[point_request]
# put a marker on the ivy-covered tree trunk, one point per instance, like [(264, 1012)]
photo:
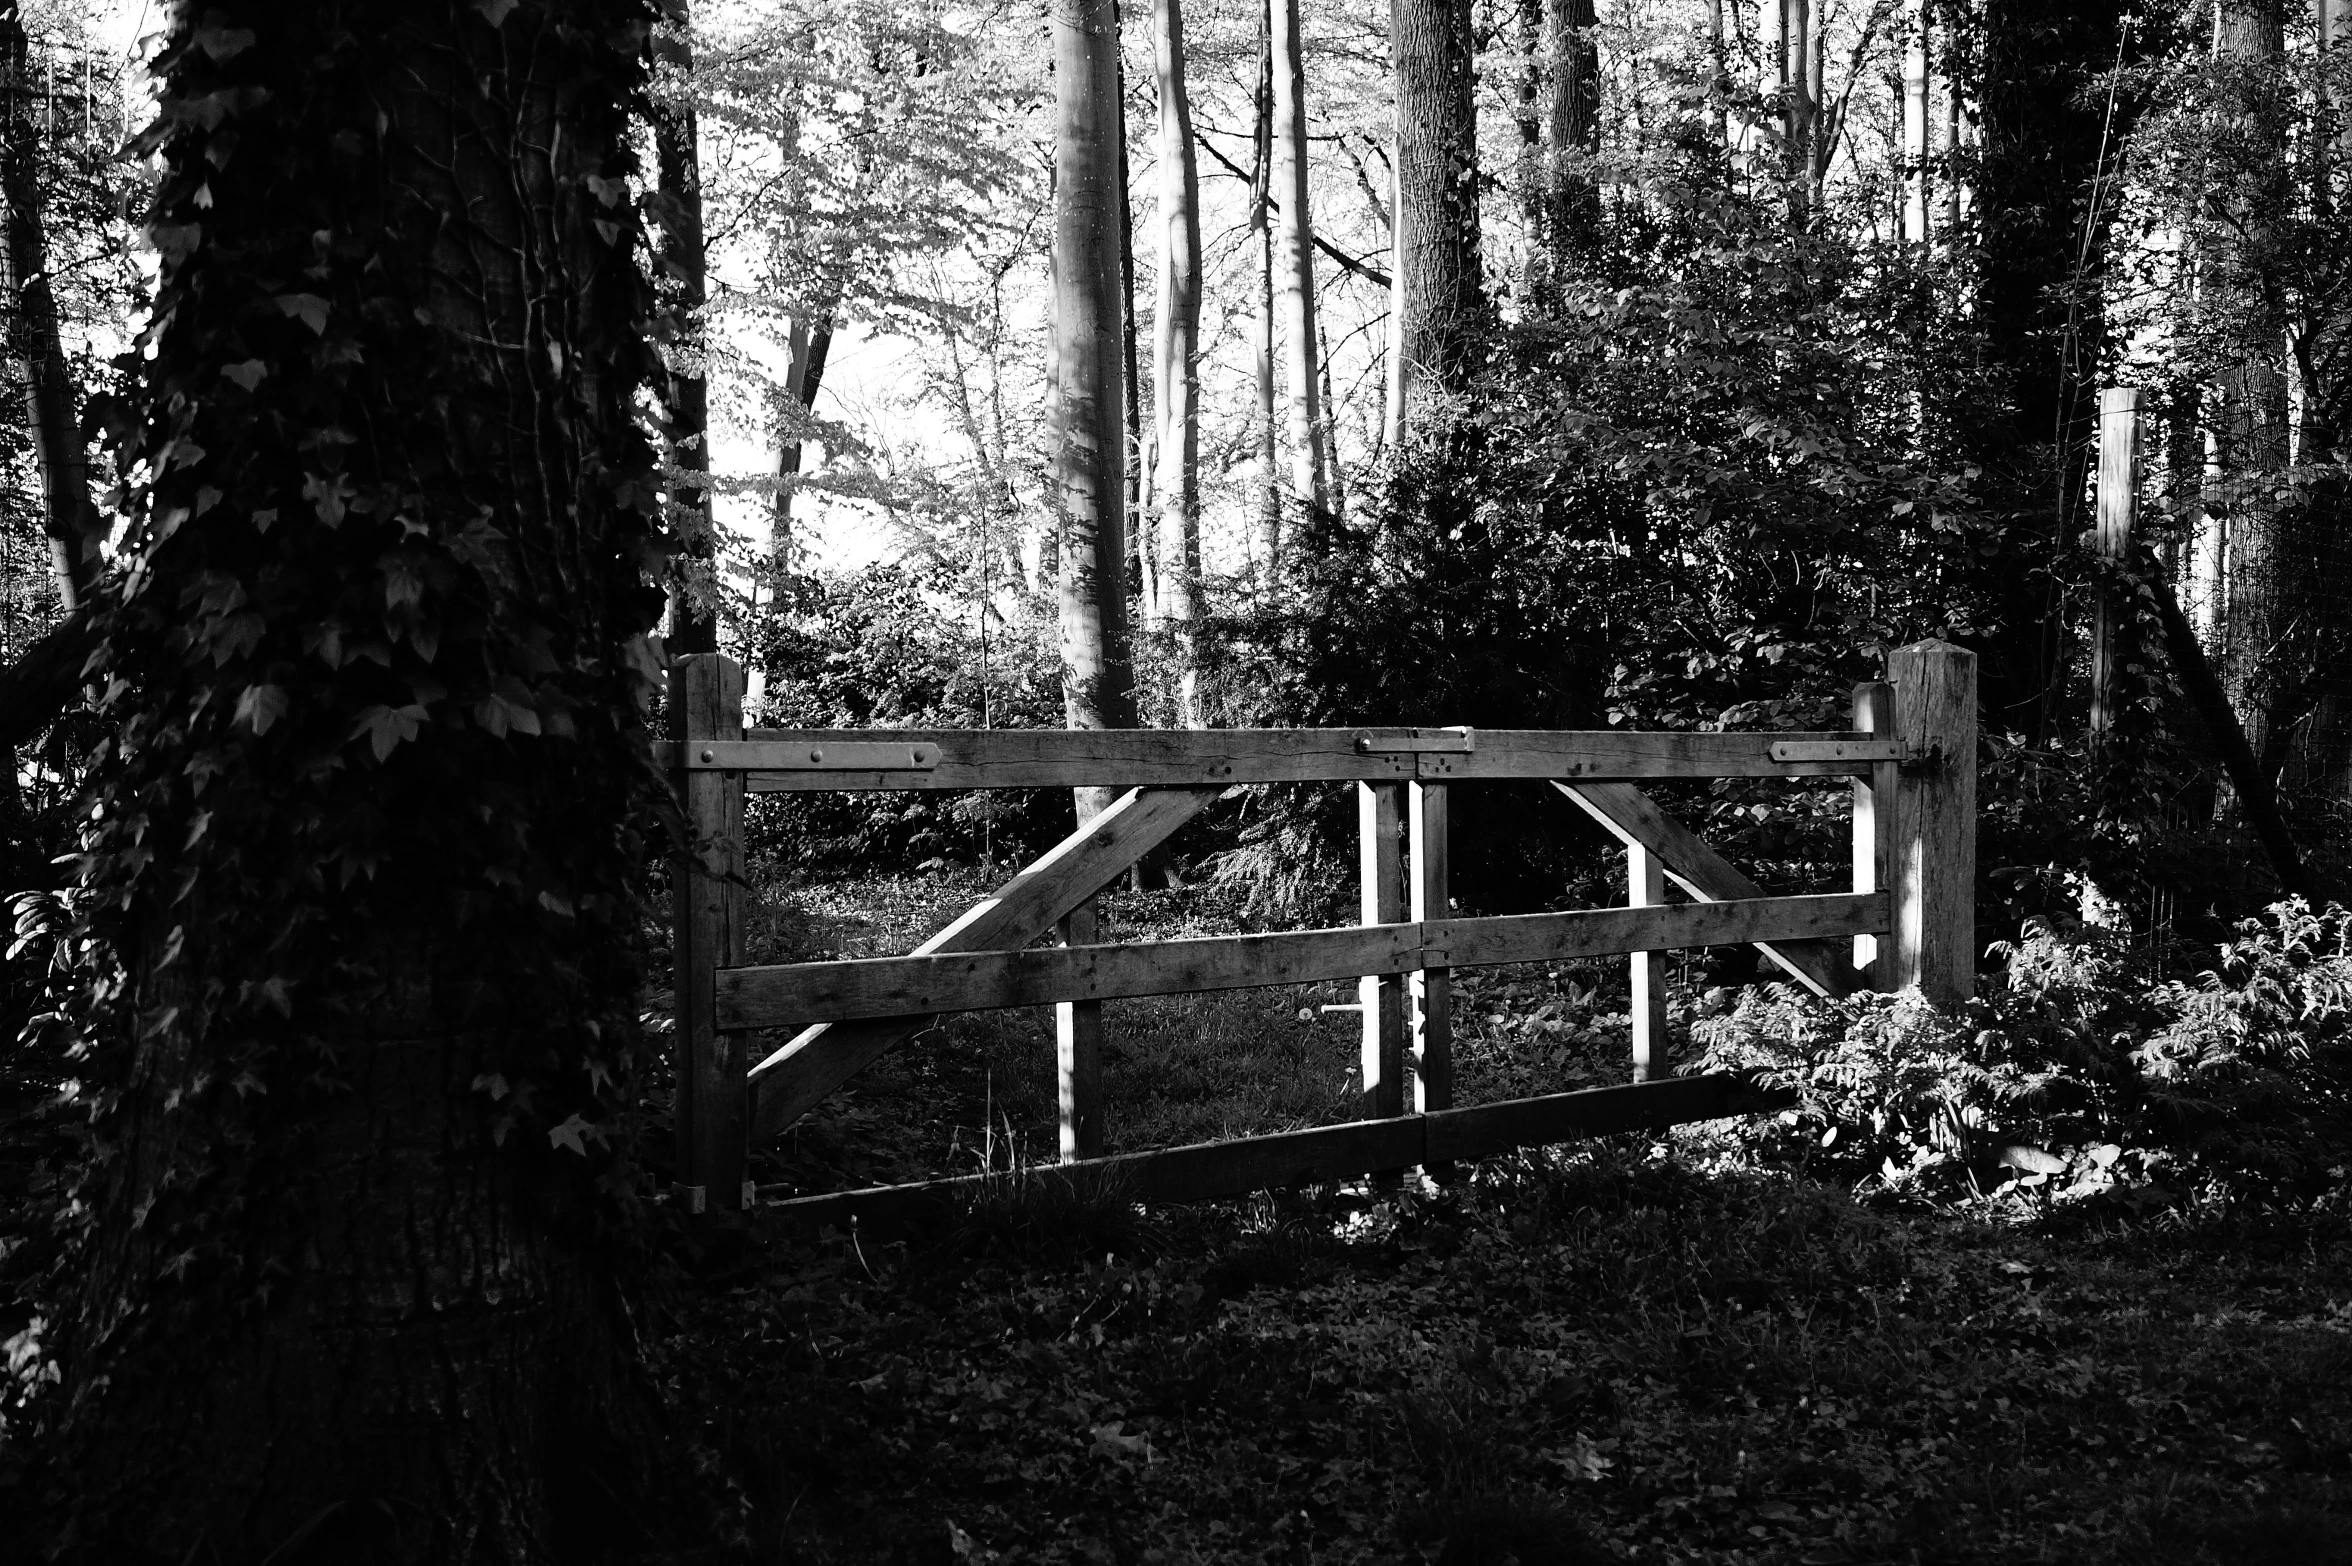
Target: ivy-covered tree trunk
[(360, 934)]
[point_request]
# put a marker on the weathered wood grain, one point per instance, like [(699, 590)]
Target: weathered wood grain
[(981, 981), (712, 1112), (821, 1057), (1634, 819), (1933, 882), (777, 759)]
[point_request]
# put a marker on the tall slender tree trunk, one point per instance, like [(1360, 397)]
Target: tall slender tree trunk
[(1793, 64), (1176, 355), (1437, 303), (366, 867), (1294, 262), (1130, 363), (51, 415), (2249, 36), (1916, 104), (694, 591), (1572, 217), (1089, 373), (1529, 175), (1263, 429), (808, 344)]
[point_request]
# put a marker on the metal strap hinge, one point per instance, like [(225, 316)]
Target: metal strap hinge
[(1867, 749), (809, 756), (1455, 741)]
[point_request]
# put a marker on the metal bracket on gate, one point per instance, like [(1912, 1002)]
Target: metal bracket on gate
[(1454, 741), (811, 756), (1840, 750)]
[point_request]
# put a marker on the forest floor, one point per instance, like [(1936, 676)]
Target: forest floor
[(1635, 1349)]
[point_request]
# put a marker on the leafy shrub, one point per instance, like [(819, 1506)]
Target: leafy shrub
[(898, 646), (2071, 1077)]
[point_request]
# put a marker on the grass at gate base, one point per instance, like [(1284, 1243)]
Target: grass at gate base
[(1609, 1353), (1636, 1349)]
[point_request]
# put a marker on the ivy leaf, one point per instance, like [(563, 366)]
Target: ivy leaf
[(223, 43), (495, 11), (247, 373), (261, 706), (310, 307), (387, 726), (607, 191), (575, 1132)]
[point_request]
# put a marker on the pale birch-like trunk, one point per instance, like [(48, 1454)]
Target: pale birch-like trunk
[(1176, 357), (1269, 483), (1916, 102), (1294, 262), (1089, 417)]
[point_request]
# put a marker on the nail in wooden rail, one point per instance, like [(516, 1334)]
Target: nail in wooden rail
[(713, 1119)]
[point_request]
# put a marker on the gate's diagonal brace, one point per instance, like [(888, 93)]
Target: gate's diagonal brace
[(1632, 817), (819, 1059)]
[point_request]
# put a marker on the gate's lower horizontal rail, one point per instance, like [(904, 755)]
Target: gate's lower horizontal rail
[(798, 994), (1327, 1153)]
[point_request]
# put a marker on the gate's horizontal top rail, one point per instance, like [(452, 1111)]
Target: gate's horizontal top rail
[(797, 994), (1183, 1174), (817, 760)]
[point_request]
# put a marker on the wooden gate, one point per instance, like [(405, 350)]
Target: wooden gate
[(1908, 920)]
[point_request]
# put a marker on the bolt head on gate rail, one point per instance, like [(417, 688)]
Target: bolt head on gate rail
[(832, 756)]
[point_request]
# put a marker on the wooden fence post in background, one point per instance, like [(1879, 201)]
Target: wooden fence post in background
[(1078, 1033), (1932, 874), (706, 886), (1645, 887), (1432, 988), (1378, 823), (2119, 504), (1874, 820)]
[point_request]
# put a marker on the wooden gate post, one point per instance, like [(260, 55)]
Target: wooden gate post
[(1645, 887), (706, 888), (1432, 988), (1381, 860), (2119, 504), (1932, 874), (1078, 1035)]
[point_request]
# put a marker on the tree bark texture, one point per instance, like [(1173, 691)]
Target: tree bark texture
[(1294, 263), (51, 407), (1437, 309), (1176, 354), (1916, 103), (2249, 42), (1572, 211), (1263, 427), (694, 590), (2041, 240), (1089, 420), (365, 874)]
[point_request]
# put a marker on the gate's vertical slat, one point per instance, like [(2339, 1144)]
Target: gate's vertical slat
[(1645, 887), (712, 1110), (1934, 880), (1874, 821), (1078, 1032), (1432, 988), (1381, 859)]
